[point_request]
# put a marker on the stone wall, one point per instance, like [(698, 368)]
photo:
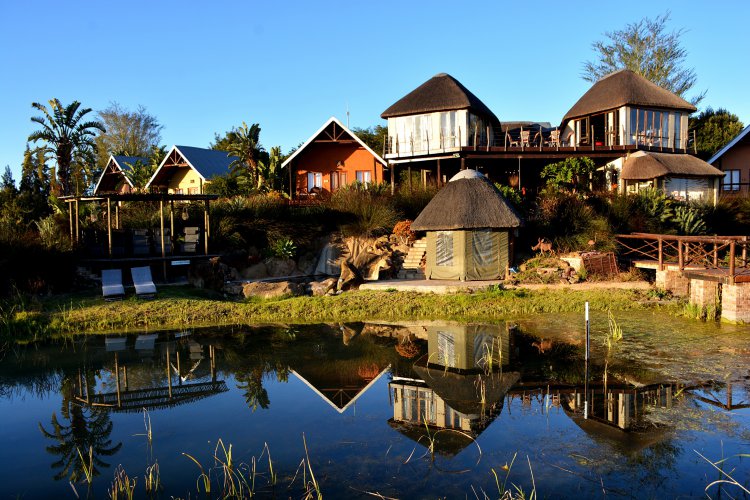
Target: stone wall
[(704, 293), (673, 281), (735, 303)]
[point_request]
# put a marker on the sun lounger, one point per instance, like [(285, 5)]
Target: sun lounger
[(112, 288), (144, 284)]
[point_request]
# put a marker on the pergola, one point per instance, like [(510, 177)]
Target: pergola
[(162, 198)]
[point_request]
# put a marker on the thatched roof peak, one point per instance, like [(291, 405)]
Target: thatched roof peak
[(468, 201), (622, 88), (442, 92)]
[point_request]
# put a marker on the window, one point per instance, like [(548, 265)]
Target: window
[(444, 248), (314, 180), (731, 181), (448, 129), (364, 177)]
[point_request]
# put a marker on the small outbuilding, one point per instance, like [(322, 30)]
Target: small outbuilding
[(470, 229), (113, 178)]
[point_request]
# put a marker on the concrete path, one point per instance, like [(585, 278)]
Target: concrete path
[(450, 286)]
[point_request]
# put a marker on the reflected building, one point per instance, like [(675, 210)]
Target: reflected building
[(459, 385), (151, 374)]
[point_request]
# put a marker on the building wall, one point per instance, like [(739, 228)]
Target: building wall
[(737, 158), (330, 158), (187, 180)]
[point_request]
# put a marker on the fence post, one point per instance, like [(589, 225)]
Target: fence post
[(731, 261), (744, 251), (661, 254), (680, 257)]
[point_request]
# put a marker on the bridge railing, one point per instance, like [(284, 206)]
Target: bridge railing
[(722, 253)]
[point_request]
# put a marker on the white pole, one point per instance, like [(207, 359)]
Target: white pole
[(586, 383)]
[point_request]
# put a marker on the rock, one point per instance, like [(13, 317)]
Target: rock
[(255, 271), (350, 277), (320, 288), (280, 267), (233, 289), (306, 263), (267, 290), (212, 274)]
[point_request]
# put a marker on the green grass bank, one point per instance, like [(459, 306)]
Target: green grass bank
[(177, 308)]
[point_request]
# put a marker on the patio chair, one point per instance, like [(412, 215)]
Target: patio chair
[(554, 138), (144, 284), (112, 288), (525, 138)]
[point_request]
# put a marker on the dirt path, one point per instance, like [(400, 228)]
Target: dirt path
[(595, 285)]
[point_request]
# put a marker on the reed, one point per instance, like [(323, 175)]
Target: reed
[(152, 479), (123, 487), (87, 466)]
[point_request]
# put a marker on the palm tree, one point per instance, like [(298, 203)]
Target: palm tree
[(67, 136), (246, 147)]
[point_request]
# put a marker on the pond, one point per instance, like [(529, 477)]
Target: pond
[(360, 410)]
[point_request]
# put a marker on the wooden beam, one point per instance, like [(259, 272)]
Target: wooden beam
[(109, 228)]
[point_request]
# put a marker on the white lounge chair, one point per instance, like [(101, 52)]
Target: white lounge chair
[(144, 284), (112, 288)]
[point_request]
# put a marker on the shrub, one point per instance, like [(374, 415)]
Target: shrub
[(283, 248), (403, 231), (370, 213)]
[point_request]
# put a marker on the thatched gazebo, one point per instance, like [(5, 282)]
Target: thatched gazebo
[(469, 228)]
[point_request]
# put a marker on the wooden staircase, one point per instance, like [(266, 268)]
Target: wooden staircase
[(411, 268)]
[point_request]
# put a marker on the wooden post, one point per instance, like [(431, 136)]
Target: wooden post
[(744, 251), (731, 261), (439, 176), (476, 129), (408, 170), (171, 227), (686, 258), (393, 178), (125, 376), (205, 228), (679, 254), (78, 233), (661, 254), (463, 163), (179, 371), (161, 226), (291, 185), (541, 137), (109, 227), (716, 255), (70, 221), (212, 355), (117, 215), (488, 137), (592, 138), (637, 115)]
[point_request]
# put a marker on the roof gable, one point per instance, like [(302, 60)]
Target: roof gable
[(730, 145), (208, 163), (120, 163), (622, 88), (442, 92), (345, 130)]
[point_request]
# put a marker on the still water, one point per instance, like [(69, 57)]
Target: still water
[(408, 411)]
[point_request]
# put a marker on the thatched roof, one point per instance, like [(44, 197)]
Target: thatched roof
[(468, 201), (643, 165), (442, 92), (623, 88)]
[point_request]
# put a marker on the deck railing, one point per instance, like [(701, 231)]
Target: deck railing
[(722, 253)]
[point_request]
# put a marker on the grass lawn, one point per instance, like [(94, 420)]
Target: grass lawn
[(183, 307)]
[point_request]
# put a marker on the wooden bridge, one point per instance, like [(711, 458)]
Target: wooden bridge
[(722, 259)]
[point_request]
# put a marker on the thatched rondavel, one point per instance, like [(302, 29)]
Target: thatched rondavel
[(469, 227)]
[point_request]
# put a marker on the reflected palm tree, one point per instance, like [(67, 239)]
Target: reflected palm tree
[(80, 430), (251, 383)]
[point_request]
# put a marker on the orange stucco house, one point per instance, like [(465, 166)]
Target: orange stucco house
[(734, 160), (331, 158)]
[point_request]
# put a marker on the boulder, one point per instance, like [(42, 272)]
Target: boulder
[(350, 277), (320, 288), (255, 271), (211, 274), (307, 262), (267, 290), (278, 267)]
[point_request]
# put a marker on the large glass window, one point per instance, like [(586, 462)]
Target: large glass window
[(731, 181), (444, 248), (448, 129)]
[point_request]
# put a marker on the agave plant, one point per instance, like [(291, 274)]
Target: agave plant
[(688, 221)]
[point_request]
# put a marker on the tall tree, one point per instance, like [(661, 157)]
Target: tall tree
[(713, 130), (131, 133), (374, 137), (647, 48), (69, 138), (34, 186)]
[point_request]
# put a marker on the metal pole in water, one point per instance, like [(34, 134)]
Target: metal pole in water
[(586, 383)]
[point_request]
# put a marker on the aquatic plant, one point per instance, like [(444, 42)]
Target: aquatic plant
[(122, 487)]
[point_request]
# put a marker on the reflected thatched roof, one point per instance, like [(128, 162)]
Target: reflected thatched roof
[(623, 88), (468, 201), (448, 442), (462, 391), (644, 165), (442, 92)]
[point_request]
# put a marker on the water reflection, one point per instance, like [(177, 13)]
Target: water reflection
[(442, 387)]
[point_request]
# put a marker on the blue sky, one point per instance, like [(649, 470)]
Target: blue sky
[(204, 67)]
